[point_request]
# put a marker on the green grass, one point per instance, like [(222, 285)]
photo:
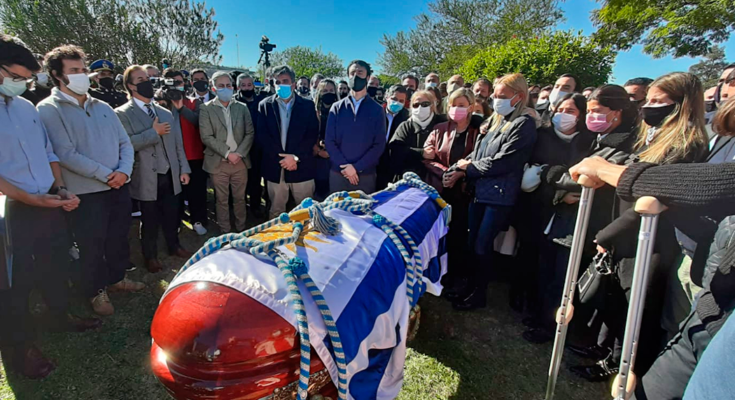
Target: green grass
[(461, 356)]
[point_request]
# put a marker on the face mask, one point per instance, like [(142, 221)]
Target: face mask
[(457, 114), (597, 122), (542, 104), (379, 98), (42, 78), (357, 84), (107, 83), (654, 116), (564, 122), (452, 87), (479, 114), (503, 106), (304, 90), (328, 99), (431, 84), (395, 106), (556, 95), (145, 89), (283, 91), (10, 88), (710, 106), (421, 113), (344, 94), (78, 83), (372, 91), (248, 93), (224, 94), (201, 86)]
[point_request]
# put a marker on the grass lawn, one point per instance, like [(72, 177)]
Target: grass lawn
[(462, 356)]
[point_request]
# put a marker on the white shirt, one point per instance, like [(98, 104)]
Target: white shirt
[(75, 101), (356, 102), (143, 107), (206, 97), (231, 143)]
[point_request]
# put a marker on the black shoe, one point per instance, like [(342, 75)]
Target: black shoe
[(459, 290), (477, 298), (538, 335), (530, 322), (593, 352), (131, 267), (602, 371)]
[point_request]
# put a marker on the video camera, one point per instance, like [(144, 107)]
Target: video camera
[(171, 91), (265, 44), (156, 82)]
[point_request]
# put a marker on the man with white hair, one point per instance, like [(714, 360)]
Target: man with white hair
[(227, 133)]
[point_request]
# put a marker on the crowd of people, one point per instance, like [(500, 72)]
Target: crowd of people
[(505, 153)]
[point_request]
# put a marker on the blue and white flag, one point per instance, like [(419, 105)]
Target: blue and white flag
[(362, 276)]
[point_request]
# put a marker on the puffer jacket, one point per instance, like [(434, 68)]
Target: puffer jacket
[(724, 238), (498, 159)]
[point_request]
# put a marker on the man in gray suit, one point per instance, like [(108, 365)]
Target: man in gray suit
[(227, 133), (160, 165)]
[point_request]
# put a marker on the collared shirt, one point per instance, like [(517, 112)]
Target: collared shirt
[(73, 100), (204, 98), (162, 163), (231, 143), (285, 113), (356, 102), (390, 123), (26, 151), (143, 107)]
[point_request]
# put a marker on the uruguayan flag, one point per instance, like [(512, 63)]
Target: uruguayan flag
[(363, 278)]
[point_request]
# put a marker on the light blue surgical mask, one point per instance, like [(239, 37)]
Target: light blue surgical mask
[(283, 91), (11, 88), (395, 106), (431, 84), (503, 106), (224, 94)]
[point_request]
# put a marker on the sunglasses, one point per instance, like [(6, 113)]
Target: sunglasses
[(422, 104)]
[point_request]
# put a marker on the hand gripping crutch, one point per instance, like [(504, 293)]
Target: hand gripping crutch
[(566, 310), (649, 208)]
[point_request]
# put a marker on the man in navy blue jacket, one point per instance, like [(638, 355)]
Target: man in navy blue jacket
[(287, 131), (355, 136)]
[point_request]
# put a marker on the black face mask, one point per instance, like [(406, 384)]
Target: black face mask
[(371, 91), (145, 89), (304, 90), (328, 99), (248, 93), (710, 106), (638, 102), (344, 94), (356, 83), (379, 98), (654, 116), (201, 86), (107, 83)]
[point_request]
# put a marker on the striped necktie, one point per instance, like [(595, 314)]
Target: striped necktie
[(149, 108)]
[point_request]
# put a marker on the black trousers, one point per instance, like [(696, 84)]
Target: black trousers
[(40, 261), (195, 193), (254, 189), (457, 237), (101, 225), (163, 213)]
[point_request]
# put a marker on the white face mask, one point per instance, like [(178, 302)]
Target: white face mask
[(421, 113), (42, 78), (78, 83), (452, 87), (10, 88), (564, 122), (503, 106), (556, 95), (431, 84)]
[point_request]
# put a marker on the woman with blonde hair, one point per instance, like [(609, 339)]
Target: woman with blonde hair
[(407, 145), (495, 169)]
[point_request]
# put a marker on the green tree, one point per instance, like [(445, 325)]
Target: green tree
[(665, 27), (307, 62), (388, 80), (544, 58), (709, 69), (112, 29), (454, 30)]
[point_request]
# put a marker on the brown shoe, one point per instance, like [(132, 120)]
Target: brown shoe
[(30, 362), (126, 285), (77, 324), (153, 265), (181, 253), (102, 305)]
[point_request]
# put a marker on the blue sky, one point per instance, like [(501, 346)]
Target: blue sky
[(353, 30)]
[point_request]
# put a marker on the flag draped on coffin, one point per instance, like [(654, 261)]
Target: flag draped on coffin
[(362, 276)]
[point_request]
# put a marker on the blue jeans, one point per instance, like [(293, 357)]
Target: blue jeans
[(712, 378), (486, 221)]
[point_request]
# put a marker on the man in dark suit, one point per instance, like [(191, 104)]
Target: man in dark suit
[(287, 131), (246, 94), (395, 114), (160, 165)]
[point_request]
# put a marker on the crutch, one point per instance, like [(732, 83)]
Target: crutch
[(566, 310), (649, 208)]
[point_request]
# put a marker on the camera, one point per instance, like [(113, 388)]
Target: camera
[(265, 45), (156, 82), (171, 91)]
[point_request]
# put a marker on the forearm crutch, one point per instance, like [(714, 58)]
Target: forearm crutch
[(649, 208), (566, 310)]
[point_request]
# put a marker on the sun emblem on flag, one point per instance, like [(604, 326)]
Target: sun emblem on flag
[(308, 234)]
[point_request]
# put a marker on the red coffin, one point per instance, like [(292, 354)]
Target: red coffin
[(214, 342)]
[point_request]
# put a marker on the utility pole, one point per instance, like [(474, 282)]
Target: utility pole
[(237, 44)]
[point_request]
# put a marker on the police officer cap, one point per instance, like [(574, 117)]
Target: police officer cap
[(101, 65), (185, 73)]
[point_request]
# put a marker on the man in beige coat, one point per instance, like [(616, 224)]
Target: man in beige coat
[(227, 133)]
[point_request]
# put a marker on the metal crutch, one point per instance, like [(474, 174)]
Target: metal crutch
[(649, 208), (566, 310)]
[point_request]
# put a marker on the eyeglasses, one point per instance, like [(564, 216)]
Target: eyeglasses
[(422, 104), (15, 78)]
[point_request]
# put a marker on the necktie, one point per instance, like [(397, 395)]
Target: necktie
[(201, 99), (149, 108)]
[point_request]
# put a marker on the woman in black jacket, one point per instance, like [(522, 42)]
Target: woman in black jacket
[(407, 145), (326, 95)]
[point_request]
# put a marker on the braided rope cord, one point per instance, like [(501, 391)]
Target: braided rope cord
[(295, 268)]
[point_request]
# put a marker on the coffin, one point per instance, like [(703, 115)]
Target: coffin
[(226, 329)]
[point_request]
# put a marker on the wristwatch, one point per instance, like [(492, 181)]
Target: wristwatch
[(56, 189), (296, 158)]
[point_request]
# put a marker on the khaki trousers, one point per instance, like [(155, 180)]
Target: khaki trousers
[(228, 177), (279, 193)]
